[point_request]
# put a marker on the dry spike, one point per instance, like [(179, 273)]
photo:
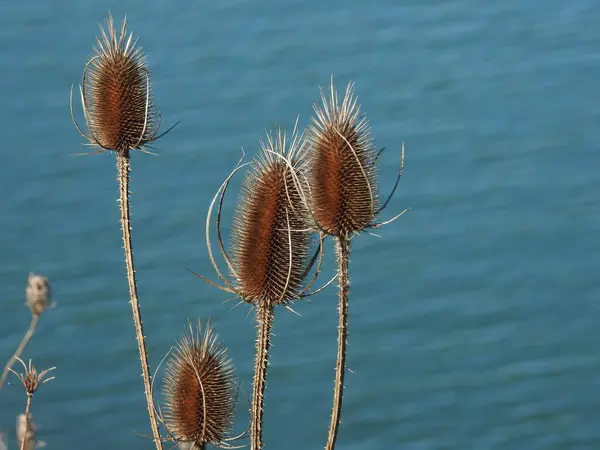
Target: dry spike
[(343, 199), (200, 390), (271, 247), (120, 115), (116, 95)]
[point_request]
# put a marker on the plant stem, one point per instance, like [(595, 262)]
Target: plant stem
[(342, 248), (123, 169), (27, 408), (20, 348), (264, 319)]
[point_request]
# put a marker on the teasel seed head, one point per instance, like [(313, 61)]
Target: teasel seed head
[(200, 389), (37, 293), (117, 100), (271, 230), (344, 191)]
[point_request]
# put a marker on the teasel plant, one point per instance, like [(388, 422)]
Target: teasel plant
[(343, 200), (121, 116), (31, 380), (200, 390), (37, 294), (271, 247), (26, 431)]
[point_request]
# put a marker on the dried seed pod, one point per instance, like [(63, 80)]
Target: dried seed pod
[(270, 248), (37, 293), (271, 231), (117, 99), (200, 389), (31, 379), (344, 191), (26, 430), (344, 199)]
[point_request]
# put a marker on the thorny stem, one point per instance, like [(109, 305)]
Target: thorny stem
[(342, 248), (17, 354), (264, 319), (123, 169), (27, 408)]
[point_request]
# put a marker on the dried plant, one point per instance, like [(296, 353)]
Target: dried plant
[(116, 96), (37, 295), (271, 248), (200, 389), (26, 431), (343, 198), (271, 235), (31, 381), (120, 115)]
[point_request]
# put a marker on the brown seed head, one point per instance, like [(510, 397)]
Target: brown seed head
[(37, 293), (343, 177), (118, 106), (271, 237), (199, 388)]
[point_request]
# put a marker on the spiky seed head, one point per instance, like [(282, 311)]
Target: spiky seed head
[(344, 191), (37, 293), (117, 99), (271, 231), (199, 389)]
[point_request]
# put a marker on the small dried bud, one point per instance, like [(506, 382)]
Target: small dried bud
[(31, 379), (31, 431), (38, 293)]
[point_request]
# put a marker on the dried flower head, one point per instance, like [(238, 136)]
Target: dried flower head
[(26, 430), (37, 293), (31, 379), (271, 232), (116, 95), (199, 389), (344, 192)]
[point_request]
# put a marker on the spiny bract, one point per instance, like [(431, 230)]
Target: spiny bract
[(344, 193), (271, 231), (117, 99), (199, 388)]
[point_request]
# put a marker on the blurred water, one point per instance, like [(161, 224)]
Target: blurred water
[(474, 319)]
